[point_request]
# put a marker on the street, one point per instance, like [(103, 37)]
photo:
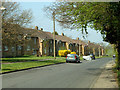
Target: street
[(67, 75)]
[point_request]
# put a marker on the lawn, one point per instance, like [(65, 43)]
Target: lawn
[(27, 58), (102, 56), (23, 65), (17, 63)]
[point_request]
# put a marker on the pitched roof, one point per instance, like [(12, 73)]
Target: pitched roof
[(94, 45), (48, 35), (36, 33), (60, 37), (65, 39)]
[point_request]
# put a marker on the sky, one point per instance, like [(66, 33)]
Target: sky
[(41, 20)]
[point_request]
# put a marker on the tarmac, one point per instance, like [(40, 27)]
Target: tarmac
[(107, 78)]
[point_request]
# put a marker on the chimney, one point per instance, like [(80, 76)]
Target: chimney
[(77, 38), (36, 27), (41, 29), (88, 42), (62, 34)]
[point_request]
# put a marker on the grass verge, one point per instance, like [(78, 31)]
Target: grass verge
[(28, 58), (24, 65)]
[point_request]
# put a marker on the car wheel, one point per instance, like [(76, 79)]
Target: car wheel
[(67, 61), (77, 61)]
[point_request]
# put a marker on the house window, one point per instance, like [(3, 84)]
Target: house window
[(70, 44), (19, 47), (50, 49), (0, 48), (28, 48), (13, 49), (28, 38), (51, 41), (77, 50), (19, 37), (45, 50), (60, 42), (63, 44), (34, 51), (5, 48), (35, 40)]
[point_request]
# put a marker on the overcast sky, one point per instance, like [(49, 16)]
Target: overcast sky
[(41, 20)]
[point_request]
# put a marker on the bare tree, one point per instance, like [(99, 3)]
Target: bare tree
[(14, 15), (13, 21)]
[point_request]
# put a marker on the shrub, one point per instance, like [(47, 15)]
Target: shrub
[(63, 53), (118, 75)]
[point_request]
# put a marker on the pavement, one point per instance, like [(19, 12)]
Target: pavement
[(107, 77)]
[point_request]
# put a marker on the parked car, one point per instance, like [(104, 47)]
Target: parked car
[(92, 56), (87, 58), (72, 58)]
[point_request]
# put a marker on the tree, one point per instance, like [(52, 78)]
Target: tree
[(109, 50), (14, 15), (83, 14), (13, 21), (101, 16)]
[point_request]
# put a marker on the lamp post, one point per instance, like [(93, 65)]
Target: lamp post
[(79, 49), (54, 32), (79, 46), (88, 49), (1, 9)]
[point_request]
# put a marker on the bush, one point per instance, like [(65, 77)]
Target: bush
[(73, 53), (118, 75), (63, 53)]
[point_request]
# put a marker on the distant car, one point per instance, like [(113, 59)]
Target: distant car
[(87, 58), (72, 58), (92, 56), (114, 56)]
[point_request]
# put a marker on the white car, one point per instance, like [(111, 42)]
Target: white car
[(87, 58)]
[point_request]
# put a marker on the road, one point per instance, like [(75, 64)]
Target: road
[(67, 75)]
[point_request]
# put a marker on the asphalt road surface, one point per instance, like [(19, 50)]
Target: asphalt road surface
[(67, 75)]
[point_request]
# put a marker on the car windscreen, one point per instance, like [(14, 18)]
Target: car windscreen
[(71, 55)]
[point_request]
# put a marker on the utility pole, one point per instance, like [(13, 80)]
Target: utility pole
[(99, 51), (79, 49), (54, 33)]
